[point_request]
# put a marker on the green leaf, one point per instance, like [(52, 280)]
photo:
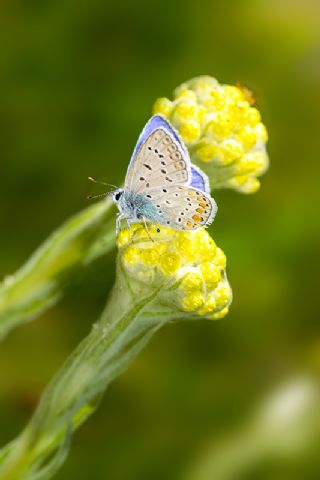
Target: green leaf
[(41, 282)]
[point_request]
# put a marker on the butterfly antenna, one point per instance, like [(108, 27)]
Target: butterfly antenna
[(101, 183), (91, 197)]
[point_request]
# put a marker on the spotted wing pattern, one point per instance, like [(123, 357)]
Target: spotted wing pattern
[(159, 162), (183, 207)]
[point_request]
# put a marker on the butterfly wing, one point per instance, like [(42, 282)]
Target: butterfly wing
[(199, 180), (183, 207), (161, 169), (159, 158)]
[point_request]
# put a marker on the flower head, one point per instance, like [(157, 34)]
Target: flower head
[(187, 267), (222, 130)]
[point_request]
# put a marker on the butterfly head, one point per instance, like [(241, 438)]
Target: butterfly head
[(126, 202), (117, 195)]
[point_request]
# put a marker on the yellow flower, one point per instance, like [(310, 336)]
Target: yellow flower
[(187, 267), (222, 130)]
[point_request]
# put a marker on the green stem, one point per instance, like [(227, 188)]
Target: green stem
[(41, 282), (122, 331)]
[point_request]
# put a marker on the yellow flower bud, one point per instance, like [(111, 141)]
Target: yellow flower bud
[(184, 110), (191, 281), (131, 256), (149, 256), (190, 131), (185, 93), (245, 184), (231, 150), (233, 94), (169, 263), (220, 259), (220, 126), (222, 313), (261, 132), (252, 116), (247, 137), (222, 295), (193, 301), (163, 106), (209, 305), (123, 237), (211, 274), (188, 267), (209, 152), (223, 130)]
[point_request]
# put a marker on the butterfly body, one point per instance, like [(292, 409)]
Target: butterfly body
[(162, 186), (136, 207)]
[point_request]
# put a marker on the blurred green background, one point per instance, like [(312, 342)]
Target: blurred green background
[(78, 80)]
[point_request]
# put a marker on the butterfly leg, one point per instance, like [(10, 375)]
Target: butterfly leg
[(146, 227), (120, 216), (129, 226)]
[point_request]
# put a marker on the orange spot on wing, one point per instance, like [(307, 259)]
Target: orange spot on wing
[(197, 219)]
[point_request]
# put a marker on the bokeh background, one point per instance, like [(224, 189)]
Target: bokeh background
[(232, 399)]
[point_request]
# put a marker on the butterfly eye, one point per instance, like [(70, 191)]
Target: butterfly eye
[(117, 196)]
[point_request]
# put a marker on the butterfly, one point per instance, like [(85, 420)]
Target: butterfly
[(162, 186)]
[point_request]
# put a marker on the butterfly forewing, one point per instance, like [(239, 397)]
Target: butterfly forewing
[(183, 207), (160, 161)]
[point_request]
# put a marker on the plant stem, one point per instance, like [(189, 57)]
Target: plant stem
[(41, 282), (122, 331)]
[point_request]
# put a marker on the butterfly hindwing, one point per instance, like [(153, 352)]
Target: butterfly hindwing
[(183, 207), (199, 179)]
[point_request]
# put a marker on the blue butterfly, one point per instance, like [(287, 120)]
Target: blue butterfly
[(161, 184)]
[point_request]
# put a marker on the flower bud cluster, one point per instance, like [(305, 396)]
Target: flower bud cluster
[(188, 268), (222, 130)]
